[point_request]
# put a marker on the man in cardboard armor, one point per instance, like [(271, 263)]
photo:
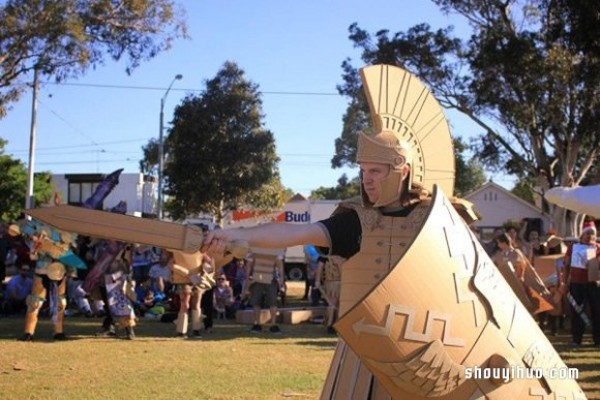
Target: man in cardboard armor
[(265, 280), (193, 274), (51, 250), (423, 310)]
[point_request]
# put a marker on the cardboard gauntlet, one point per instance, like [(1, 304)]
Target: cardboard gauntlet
[(444, 323)]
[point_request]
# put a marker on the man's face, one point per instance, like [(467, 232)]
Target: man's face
[(588, 237), (372, 176)]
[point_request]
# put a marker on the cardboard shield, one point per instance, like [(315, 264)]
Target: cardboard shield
[(445, 313)]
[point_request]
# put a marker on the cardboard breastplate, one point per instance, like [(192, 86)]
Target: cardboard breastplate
[(384, 241)]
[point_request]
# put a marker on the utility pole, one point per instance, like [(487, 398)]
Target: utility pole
[(29, 199), (161, 151)]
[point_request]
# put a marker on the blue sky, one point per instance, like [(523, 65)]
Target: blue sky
[(99, 123)]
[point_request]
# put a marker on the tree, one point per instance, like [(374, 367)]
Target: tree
[(149, 162), (528, 77), (218, 153), (344, 190), (64, 38), (13, 184), (469, 174), (523, 190)]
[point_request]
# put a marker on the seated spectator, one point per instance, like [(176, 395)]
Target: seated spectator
[(223, 297), (17, 290), (160, 277), (77, 296), (144, 297), (142, 258)]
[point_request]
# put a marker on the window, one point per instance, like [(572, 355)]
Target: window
[(82, 186), (79, 192)]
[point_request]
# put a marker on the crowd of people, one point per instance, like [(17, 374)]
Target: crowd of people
[(242, 283), (122, 283), (573, 290)]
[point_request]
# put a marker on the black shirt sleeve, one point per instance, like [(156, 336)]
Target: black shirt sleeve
[(344, 233)]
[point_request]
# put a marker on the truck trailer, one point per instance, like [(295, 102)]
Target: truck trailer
[(298, 210)]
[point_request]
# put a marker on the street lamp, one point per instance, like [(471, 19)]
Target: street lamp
[(161, 148)]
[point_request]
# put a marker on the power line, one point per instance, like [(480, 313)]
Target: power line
[(85, 162), (68, 123), (77, 146), (128, 87)]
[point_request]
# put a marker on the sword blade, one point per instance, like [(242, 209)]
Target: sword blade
[(125, 228)]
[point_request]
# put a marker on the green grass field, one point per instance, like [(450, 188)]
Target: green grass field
[(230, 363)]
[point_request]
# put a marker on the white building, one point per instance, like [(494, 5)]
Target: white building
[(498, 206), (137, 190)]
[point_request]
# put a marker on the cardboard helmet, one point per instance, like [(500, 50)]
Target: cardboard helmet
[(410, 127), (385, 148)]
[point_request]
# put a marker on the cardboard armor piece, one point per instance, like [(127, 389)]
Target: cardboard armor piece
[(263, 267), (443, 312), (191, 269)]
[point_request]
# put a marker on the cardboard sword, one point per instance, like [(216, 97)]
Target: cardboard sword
[(579, 310), (127, 228)]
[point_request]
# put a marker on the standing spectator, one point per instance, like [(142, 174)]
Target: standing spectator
[(235, 272), (510, 255), (311, 256), (208, 309), (533, 247), (17, 290), (581, 277), (516, 236), (265, 279), (527, 286), (207, 299)]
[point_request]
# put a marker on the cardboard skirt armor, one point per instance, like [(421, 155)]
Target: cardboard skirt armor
[(443, 323)]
